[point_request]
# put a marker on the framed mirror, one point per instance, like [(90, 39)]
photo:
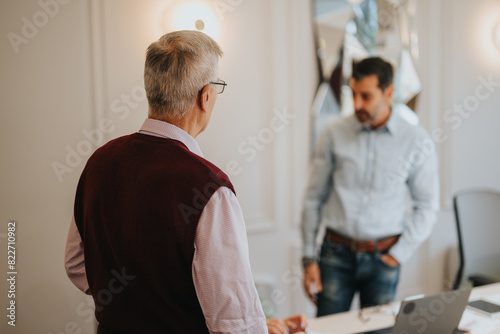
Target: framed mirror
[(347, 31)]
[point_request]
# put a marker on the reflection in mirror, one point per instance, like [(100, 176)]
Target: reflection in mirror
[(347, 31)]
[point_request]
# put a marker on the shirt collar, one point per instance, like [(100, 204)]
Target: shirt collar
[(391, 126), (157, 128)]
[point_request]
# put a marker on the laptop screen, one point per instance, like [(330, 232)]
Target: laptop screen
[(439, 313)]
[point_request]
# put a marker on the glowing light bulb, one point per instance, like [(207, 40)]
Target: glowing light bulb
[(194, 16)]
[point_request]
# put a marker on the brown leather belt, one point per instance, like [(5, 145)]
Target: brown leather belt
[(362, 246)]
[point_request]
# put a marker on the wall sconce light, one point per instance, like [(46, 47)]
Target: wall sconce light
[(196, 15), (496, 34), (484, 37)]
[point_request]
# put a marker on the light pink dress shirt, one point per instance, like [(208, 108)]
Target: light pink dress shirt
[(221, 269)]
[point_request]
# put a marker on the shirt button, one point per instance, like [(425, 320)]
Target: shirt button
[(366, 199), (371, 156)]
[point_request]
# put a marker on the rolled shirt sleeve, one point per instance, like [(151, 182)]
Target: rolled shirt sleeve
[(221, 269), (319, 187), (74, 259), (423, 184)]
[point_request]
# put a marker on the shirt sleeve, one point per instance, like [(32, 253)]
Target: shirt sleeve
[(318, 189), (423, 184), (74, 259), (221, 269)]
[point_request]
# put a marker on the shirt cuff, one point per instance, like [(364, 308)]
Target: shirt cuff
[(310, 250), (400, 253)]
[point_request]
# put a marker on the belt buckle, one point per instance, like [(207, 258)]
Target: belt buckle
[(354, 246), (362, 246)]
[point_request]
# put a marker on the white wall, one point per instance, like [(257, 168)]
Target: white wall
[(46, 103), (78, 69), (456, 50), (75, 71)]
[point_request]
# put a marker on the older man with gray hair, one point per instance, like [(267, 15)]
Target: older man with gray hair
[(158, 237)]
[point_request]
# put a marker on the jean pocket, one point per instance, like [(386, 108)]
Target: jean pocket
[(385, 265), (330, 249)]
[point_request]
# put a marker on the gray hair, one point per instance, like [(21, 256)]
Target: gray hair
[(177, 67)]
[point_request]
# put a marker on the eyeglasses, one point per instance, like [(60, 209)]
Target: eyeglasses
[(220, 85)]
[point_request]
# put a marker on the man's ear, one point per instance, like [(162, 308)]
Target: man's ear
[(205, 97), (389, 91)]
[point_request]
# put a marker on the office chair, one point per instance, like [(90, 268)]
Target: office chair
[(477, 218)]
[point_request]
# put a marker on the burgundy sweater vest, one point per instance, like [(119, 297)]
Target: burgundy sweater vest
[(137, 206)]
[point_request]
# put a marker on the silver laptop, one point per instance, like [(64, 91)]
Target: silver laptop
[(436, 314)]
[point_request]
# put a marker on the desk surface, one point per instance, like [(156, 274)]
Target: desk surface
[(384, 316)]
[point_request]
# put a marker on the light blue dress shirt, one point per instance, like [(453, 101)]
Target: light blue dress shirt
[(362, 180)]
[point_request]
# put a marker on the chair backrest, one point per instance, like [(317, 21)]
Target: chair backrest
[(477, 217)]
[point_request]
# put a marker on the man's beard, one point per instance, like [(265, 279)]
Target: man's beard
[(363, 116)]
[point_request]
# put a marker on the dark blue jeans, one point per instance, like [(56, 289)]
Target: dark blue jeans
[(344, 272)]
